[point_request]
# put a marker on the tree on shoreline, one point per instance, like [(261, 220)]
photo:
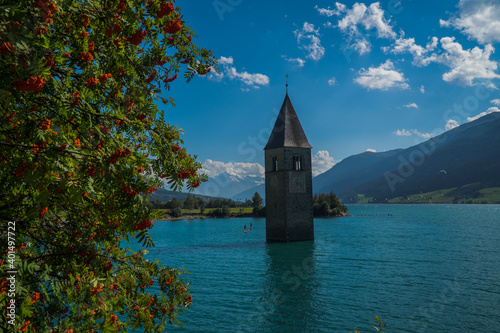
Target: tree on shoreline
[(82, 141), (325, 205)]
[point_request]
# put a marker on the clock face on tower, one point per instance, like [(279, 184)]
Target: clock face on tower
[(297, 183)]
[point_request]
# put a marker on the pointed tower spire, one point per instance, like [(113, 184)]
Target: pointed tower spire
[(288, 170), (287, 84), (287, 131)]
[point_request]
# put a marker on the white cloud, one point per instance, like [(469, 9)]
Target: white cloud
[(411, 105), (230, 72), (309, 27), (247, 78), (478, 19), (214, 168), (371, 17), (422, 89), (360, 17), (408, 45), (330, 12), (362, 45), (405, 132), (371, 150), (467, 66), (451, 124), (403, 45), (496, 102), (383, 77), (321, 162), (422, 135), (298, 61), (308, 39), (332, 81), (226, 61), (482, 114)]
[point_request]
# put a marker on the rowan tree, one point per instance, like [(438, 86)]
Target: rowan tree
[(82, 142)]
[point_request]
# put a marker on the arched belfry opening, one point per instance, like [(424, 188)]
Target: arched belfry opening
[(288, 169)]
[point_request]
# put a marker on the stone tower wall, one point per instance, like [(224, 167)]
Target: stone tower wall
[(289, 211)]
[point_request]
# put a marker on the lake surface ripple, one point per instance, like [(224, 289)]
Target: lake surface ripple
[(421, 268)]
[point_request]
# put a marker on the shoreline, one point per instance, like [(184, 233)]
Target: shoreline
[(206, 217)]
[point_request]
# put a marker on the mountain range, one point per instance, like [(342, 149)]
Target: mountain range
[(466, 154), (227, 185)]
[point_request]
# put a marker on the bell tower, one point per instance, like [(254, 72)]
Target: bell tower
[(289, 202)]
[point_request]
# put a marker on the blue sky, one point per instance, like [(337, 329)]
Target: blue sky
[(362, 75)]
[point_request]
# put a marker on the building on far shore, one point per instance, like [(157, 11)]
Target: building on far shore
[(288, 170)]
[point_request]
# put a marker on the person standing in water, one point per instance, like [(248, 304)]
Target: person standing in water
[(251, 227), (245, 228)]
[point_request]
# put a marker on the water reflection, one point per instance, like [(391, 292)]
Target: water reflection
[(289, 302)]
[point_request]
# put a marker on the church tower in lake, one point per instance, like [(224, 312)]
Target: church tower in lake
[(289, 201)]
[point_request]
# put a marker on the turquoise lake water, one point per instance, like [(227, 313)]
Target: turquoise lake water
[(421, 268)]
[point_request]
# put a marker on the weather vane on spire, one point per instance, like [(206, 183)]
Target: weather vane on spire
[(287, 84)]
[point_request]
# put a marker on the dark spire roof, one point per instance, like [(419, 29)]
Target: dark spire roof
[(287, 131)]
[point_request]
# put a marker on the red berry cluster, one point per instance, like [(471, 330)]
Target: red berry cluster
[(100, 145), (38, 147), (118, 154), (6, 47), (104, 77), (166, 8), (141, 116), (121, 72), (48, 8), (116, 29), (85, 20), (170, 79), (16, 25), (34, 84), (86, 57), (75, 97), (143, 225), (205, 71), (49, 62), (184, 174), (90, 82), (104, 129), (128, 190), (90, 170), (176, 148), (43, 211), (11, 116), (21, 170), (151, 77), (173, 27), (121, 7), (137, 37), (46, 125), (107, 268), (152, 189)]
